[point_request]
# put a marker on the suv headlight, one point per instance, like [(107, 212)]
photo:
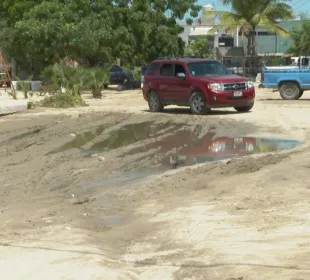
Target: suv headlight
[(215, 86), (250, 84)]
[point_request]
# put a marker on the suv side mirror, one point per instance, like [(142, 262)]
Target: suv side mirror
[(231, 72), (181, 75)]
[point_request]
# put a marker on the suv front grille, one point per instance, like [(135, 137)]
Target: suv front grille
[(234, 86)]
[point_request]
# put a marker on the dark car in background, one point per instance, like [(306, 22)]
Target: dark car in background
[(120, 77)]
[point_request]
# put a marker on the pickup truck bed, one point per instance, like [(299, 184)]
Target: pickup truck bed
[(291, 81)]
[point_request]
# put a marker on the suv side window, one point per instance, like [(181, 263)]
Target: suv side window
[(166, 70), (179, 69), (151, 69)]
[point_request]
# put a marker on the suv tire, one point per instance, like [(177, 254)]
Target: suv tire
[(243, 109), (154, 102), (289, 91), (198, 104)]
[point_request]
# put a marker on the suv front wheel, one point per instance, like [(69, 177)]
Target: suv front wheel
[(198, 104), (154, 101)]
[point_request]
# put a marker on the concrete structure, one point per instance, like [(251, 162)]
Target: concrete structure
[(204, 24), (206, 18), (185, 34), (8, 105)]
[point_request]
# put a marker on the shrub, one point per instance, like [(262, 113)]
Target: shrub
[(13, 94), (24, 86), (31, 105), (65, 85), (137, 73), (63, 100), (66, 77)]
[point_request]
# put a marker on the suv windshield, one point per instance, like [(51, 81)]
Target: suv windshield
[(206, 68)]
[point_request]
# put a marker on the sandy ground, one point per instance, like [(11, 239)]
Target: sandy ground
[(68, 213)]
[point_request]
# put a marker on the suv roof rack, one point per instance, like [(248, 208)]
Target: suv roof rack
[(179, 58)]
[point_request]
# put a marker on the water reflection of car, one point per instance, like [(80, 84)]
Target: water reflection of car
[(193, 149), (193, 146), (220, 148)]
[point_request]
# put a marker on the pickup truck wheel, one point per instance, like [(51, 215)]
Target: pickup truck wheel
[(243, 109), (289, 91), (154, 101), (198, 104), (301, 92)]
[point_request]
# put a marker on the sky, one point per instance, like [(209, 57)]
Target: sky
[(299, 6)]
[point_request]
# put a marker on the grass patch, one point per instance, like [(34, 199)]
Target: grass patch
[(31, 105)]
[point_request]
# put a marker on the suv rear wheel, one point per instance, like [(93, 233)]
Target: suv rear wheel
[(198, 104), (154, 101)]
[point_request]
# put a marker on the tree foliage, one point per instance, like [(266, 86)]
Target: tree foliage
[(300, 37), (42, 32), (199, 47)]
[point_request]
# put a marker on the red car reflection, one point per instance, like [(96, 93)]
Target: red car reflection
[(192, 149)]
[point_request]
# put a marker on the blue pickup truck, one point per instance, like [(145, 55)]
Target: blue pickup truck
[(291, 81)]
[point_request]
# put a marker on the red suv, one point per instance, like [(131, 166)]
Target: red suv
[(201, 84)]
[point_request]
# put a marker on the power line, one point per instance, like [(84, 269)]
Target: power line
[(303, 4)]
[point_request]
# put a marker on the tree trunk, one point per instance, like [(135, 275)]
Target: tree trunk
[(253, 66), (249, 44), (97, 93)]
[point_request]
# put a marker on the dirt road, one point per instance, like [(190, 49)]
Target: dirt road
[(89, 193)]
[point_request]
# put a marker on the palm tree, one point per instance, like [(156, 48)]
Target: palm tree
[(96, 79), (248, 15)]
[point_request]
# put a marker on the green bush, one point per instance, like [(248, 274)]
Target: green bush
[(66, 77), (63, 77), (31, 105), (63, 100), (137, 73)]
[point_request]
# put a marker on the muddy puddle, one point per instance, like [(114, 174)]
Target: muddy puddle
[(184, 143), (157, 148), (115, 136)]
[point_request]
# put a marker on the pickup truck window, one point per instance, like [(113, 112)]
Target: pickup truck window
[(207, 68)]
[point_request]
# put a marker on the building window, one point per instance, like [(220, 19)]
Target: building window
[(265, 33), (240, 33)]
